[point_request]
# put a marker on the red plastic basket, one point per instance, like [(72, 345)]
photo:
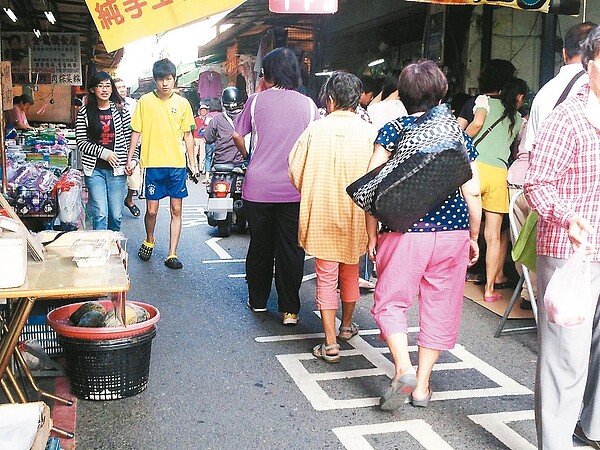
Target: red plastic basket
[(59, 320)]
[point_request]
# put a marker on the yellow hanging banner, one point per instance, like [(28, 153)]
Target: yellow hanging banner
[(120, 22)]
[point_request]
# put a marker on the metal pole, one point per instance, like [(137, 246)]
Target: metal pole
[(2, 147), (547, 50), (487, 22)]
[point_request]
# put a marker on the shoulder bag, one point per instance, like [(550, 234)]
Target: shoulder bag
[(429, 163)]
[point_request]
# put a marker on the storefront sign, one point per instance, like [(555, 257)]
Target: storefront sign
[(123, 21), (303, 6), (532, 5), (54, 58)]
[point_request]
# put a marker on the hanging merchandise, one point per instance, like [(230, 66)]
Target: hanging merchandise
[(209, 84)]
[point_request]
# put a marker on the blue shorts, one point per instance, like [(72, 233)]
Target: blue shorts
[(164, 182)]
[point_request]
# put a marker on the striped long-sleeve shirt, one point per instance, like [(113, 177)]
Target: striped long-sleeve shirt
[(563, 179), (90, 151)]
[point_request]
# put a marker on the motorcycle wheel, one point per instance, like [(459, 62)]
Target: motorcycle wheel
[(241, 222), (224, 226)]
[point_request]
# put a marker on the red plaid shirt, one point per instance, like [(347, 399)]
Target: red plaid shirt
[(563, 179)]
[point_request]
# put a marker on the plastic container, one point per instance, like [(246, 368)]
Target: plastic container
[(59, 319), (13, 263), (108, 369), (105, 363), (89, 248), (98, 260)]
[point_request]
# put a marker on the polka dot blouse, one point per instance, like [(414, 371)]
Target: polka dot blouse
[(452, 214)]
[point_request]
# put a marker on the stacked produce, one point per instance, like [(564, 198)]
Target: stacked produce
[(94, 315)]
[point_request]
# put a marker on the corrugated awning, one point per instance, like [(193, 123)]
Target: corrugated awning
[(188, 78), (250, 20)]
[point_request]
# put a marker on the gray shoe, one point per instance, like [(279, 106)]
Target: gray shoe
[(423, 403), (399, 389)]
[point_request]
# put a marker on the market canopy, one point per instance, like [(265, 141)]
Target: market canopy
[(120, 22)]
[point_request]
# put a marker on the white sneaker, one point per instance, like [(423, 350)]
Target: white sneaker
[(255, 309)]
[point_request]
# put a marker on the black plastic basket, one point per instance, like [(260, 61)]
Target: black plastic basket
[(108, 369)]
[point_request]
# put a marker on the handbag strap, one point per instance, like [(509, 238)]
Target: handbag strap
[(491, 127), (564, 94)]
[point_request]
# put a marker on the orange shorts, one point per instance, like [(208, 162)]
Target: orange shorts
[(328, 274)]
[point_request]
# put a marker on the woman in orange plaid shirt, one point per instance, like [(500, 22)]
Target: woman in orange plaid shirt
[(328, 156)]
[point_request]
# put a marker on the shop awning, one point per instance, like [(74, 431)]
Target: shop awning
[(187, 78), (250, 20), (567, 7), (121, 21)]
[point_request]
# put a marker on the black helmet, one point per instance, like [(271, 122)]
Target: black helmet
[(231, 98)]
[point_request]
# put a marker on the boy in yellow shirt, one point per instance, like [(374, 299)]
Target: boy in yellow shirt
[(164, 118)]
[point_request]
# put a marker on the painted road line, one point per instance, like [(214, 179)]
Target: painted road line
[(308, 382), (191, 215), (297, 337), (309, 386), (215, 247), (353, 438), (497, 424), (310, 276), (217, 261)]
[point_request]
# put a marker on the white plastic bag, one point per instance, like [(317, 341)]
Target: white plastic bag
[(568, 299), (69, 205)]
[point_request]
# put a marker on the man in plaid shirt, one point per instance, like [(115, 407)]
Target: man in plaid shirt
[(563, 185)]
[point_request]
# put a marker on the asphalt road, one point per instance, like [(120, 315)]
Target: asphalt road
[(223, 377)]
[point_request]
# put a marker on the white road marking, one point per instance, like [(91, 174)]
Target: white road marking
[(191, 215), (308, 382), (297, 337), (353, 437), (220, 251), (217, 261), (496, 424)]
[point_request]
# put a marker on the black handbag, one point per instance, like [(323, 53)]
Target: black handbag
[(430, 162)]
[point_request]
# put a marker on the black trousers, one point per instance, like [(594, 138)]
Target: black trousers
[(274, 238)]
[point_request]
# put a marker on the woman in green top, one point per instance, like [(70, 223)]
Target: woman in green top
[(495, 125)]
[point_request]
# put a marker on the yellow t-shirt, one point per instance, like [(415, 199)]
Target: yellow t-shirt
[(162, 124)]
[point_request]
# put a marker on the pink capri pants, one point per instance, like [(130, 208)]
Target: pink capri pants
[(432, 265), (328, 274)]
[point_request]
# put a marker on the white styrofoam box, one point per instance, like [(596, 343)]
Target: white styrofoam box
[(13, 263), (8, 224)]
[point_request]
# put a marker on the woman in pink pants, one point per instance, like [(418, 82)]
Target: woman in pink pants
[(430, 260)]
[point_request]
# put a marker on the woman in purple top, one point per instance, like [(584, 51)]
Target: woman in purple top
[(276, 117)]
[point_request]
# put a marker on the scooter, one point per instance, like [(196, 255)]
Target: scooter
[(225, 207)]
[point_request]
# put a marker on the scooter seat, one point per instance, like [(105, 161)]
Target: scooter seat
[(223, 167)]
